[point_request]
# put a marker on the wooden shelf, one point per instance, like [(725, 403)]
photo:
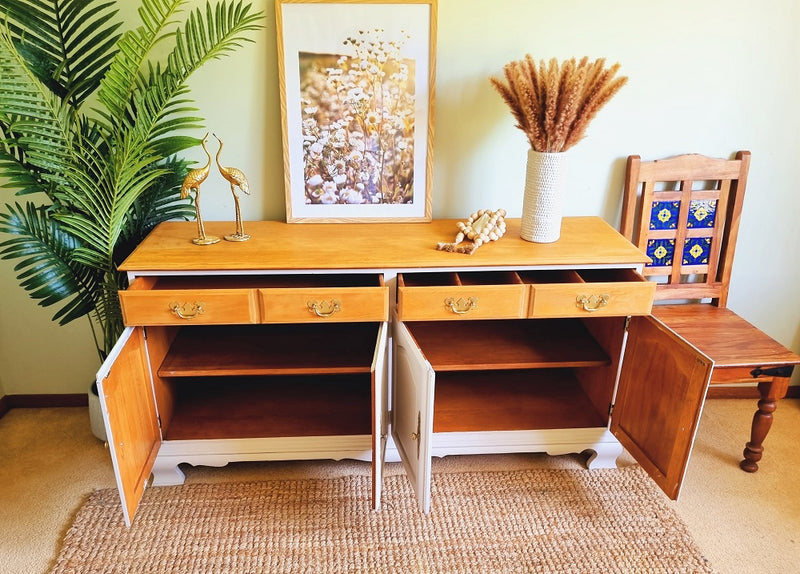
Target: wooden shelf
[(512, 344), (512, 400), (262, 407), (294, 349)]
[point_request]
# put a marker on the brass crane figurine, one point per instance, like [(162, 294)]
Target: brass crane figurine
[(237, 179), (192, 182)]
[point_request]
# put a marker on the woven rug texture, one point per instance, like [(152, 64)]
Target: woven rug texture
[(526, 521)]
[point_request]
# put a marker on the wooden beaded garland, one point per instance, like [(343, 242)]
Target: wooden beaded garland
[(480, 227)]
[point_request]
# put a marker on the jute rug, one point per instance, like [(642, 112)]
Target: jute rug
[(537, 520)]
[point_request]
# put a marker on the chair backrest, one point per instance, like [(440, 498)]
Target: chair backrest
[(684, 213)]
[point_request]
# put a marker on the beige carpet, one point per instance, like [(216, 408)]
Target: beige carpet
[(535, 520)]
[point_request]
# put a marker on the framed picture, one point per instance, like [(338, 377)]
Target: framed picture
[(357, 85)]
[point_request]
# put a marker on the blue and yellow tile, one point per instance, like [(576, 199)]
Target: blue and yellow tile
[(661, 251), (664, 214), (702, 213), (696, 251)]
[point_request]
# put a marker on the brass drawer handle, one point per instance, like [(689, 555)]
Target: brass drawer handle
[(187, 310), (324, 308), (592, 303), (461, 306)]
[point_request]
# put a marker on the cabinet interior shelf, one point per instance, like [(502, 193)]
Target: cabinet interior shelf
[(294, 349), (512, 400), (507, 344), (264, 407)]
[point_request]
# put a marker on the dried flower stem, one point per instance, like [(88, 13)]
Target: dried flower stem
[(553, 103)]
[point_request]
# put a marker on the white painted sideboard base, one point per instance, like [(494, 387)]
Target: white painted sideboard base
[(603, 447), (220, 452)]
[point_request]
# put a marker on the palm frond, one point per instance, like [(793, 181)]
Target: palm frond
[(102, 194), (161, 114), (108, 312), (210, 37), (40, 120), (44, 251), (161, 202), (165, 115), (67, 43), (121, 80), (16, 177)]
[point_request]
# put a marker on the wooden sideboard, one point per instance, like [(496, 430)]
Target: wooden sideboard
[(307, 341)]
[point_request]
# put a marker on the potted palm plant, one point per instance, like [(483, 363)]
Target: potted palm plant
[(90, 127)]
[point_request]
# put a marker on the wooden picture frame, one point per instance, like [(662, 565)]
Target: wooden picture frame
[(356, 93)]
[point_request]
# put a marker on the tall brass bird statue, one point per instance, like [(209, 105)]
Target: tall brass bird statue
[(192, 182), (237, 179)]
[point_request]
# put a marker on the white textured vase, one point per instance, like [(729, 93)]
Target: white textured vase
[(542, 206)]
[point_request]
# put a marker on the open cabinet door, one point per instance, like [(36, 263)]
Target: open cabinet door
[(413, 386), (380, 409), (661, 392), (129, 412)]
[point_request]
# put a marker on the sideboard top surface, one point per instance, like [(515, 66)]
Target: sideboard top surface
[(276, 245)]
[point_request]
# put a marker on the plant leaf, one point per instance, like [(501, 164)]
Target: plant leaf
[(45, 252), (67, 43)]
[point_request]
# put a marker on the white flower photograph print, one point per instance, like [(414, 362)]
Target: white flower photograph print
[(356, 97)]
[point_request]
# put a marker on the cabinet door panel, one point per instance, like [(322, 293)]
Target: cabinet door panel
[(129, 411), (661, 392), (380, 406), (412, 430)]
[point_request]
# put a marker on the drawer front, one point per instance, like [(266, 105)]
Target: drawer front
[(314, 304), (462, 302), (190, 306), (597, 299)]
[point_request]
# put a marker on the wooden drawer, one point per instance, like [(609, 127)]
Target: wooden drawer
[(171, 301), (588, 293), (338, 298), (469, 295)]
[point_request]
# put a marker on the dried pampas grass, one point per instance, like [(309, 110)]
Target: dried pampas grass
[(553, 102)]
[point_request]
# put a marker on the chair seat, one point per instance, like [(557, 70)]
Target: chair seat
[(724, 336)]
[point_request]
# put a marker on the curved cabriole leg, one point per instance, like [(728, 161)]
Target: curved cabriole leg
[(771, 392)]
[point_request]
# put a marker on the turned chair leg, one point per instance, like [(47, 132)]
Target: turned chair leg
[(771, 392)]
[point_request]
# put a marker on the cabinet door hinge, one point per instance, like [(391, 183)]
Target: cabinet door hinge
[(158, 418), (610, 409), (627, 323)]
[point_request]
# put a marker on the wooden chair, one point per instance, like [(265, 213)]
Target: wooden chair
[(684, 213)]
